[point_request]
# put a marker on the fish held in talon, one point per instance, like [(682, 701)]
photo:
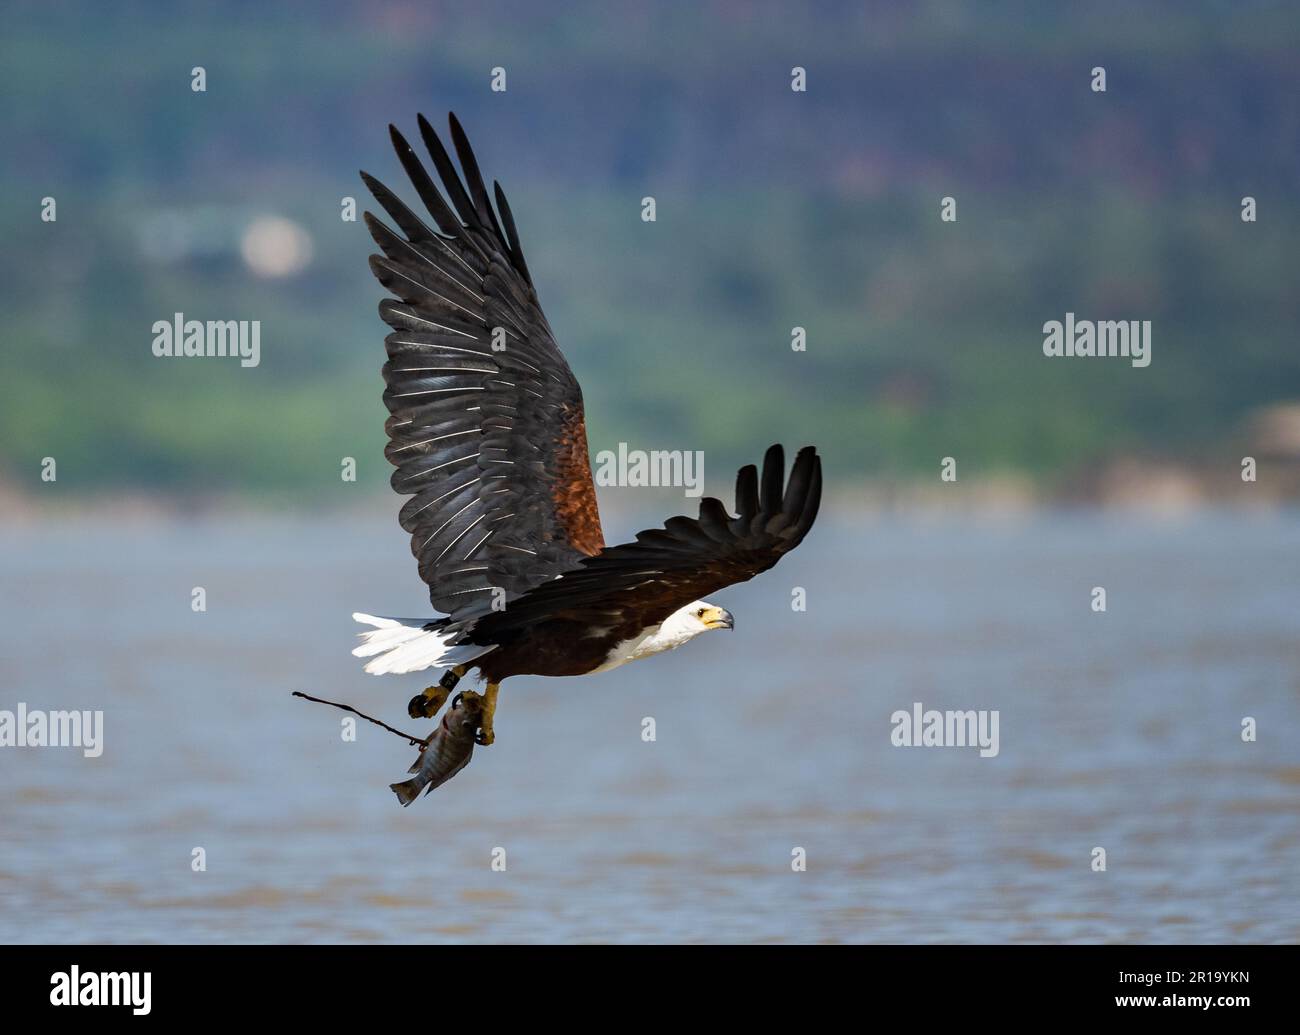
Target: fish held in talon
[(447, 751)]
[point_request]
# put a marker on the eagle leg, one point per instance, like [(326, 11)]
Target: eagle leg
[(425, 705), (485, 734)]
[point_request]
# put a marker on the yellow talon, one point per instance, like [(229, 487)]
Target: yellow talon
[(426, 705), (486, 735)]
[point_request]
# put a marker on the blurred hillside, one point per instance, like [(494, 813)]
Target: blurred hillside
[(775, 209)]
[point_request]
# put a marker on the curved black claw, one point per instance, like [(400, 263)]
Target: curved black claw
[(484, 737)]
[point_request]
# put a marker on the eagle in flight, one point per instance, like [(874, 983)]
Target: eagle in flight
[(486, 433)]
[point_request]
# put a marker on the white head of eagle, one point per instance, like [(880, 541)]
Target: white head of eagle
[(681, 626)]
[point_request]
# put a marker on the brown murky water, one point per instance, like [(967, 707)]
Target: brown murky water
[(1118, 730)]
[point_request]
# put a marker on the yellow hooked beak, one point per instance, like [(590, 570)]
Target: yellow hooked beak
[(717, 618)]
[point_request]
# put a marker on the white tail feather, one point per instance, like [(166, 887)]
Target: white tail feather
[(398, 645)]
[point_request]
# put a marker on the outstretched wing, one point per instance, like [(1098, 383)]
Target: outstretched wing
[(639, 584), (486, 425)]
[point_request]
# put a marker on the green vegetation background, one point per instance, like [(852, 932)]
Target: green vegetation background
[(775, 209)]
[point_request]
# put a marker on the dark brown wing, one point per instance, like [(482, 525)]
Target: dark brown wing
[(486, 428), (643, 582)]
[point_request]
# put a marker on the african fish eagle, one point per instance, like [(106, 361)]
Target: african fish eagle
[(490, 444)]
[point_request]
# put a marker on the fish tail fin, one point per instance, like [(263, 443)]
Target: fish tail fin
[(408, 790)]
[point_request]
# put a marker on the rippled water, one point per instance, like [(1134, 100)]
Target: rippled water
[(1119, 730)]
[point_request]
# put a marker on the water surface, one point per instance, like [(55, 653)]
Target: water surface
[(1118, 730)]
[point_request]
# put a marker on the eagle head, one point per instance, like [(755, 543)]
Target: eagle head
[(701, 616)]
